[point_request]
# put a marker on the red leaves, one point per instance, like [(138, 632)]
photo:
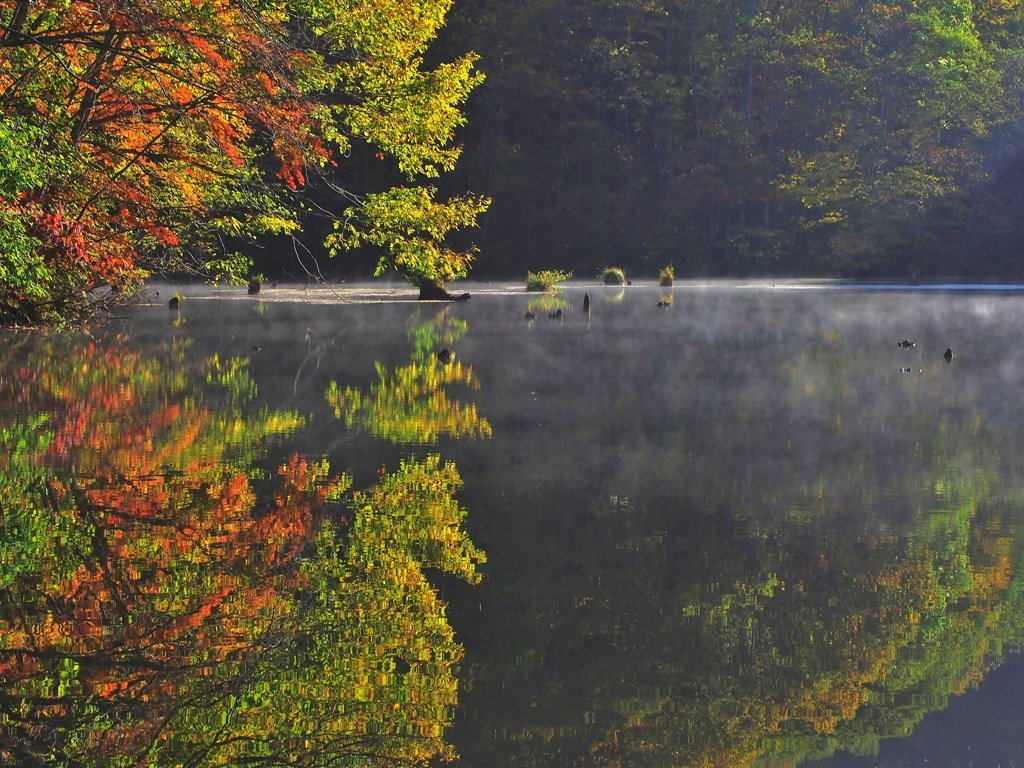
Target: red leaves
[(163, 235), (63, 236), (226, 137), (292, 170), (154, 106), (83, 247)]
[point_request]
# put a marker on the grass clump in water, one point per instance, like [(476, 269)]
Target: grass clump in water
[(545, 280), (613, 276)]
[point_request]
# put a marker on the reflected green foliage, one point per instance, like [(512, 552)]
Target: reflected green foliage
[(781, 653), (546, 303), (168, 598), (39, 531), (412, 519), (425, 336), (787, 570), (357, 661), (410, 403), (368, 657)]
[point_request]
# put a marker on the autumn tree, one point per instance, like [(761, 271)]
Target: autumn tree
[(157, 136)]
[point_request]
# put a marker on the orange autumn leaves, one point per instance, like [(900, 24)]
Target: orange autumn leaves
[(154, 109)]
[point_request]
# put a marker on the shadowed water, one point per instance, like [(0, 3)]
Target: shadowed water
[(719, 524)]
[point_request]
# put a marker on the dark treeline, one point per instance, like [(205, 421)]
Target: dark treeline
[(731, 137)]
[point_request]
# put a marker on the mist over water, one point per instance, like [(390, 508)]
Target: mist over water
[(740, 438), (725, 523)]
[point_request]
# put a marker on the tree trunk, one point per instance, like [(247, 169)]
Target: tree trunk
[(437, 292)]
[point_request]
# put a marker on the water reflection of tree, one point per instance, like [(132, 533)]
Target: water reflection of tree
[(162, 602), (410, 403), (825, 604)]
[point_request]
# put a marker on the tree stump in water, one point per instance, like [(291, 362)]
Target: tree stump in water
[(437, 292)]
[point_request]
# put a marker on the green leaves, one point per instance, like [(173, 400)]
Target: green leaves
[(42, 539), (413, 115), (27, 167), (410, 224)]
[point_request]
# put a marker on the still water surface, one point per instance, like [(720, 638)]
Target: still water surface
[(743, 528)]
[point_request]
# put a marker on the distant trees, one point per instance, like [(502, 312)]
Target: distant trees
[(744, 135), (159, 135)]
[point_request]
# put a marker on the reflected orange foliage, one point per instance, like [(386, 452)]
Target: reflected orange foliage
[(198, 608), (176, 544)]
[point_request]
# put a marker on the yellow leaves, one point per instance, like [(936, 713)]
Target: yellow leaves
[(275, 225), (279, 423), (383, 648), (413, 511), (229, 225), (410, 405)]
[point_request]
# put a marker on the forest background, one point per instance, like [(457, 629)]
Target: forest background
[(737, 137), (332, 140)]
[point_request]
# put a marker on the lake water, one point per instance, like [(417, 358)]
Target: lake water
[(722, 524)]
